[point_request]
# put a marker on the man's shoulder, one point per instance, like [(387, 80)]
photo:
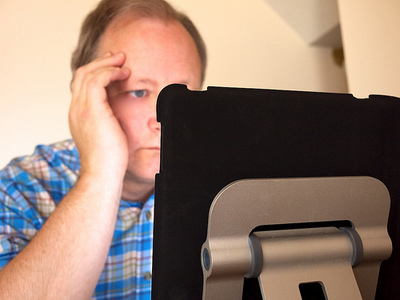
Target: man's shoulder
[(49, 164), (31, 186), (55, 155)]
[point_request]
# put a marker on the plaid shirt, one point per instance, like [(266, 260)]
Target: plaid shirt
[(30, 189)]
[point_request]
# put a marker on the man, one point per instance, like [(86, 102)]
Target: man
[(80, 225)]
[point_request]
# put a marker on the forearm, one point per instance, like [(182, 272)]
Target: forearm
[(66, 257)]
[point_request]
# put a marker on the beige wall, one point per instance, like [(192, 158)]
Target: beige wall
[(249, 46)]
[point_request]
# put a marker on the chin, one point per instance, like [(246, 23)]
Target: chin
[(141, 177), (149, 178)]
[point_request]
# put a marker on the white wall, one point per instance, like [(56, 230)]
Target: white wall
[(36, 38), (249, 46), (371, 38)]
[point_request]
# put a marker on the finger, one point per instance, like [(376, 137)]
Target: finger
[(107, 60), (93, 88), (95, 83)]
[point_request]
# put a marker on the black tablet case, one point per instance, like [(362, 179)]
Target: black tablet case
[(212, 138)]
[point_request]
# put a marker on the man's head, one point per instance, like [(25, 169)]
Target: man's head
[(108, 11), (160, 47)]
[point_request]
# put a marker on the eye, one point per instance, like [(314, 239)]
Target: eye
[(138, 93)]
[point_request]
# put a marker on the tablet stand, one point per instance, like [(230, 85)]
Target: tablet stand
[(324, 235)]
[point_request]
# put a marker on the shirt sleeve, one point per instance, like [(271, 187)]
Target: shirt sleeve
[(30, 189), (19, 220)]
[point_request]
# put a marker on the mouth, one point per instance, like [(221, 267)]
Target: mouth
[(153, 148)]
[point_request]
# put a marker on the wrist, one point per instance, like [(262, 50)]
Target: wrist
[(102, 180)]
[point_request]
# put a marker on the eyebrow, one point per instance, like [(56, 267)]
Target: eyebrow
[(143, 80), (151, 81)]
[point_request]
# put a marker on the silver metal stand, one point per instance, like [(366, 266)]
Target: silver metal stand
[(328, 232)]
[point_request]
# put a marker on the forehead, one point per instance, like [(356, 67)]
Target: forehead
[(153, 48), (130, 31)]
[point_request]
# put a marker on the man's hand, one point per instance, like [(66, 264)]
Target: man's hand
[(65, 258), (98, 136)]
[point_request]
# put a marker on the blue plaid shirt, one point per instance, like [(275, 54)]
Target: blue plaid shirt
[(30, 189)]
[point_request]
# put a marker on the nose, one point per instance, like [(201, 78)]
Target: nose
[(154, 125), (152, 122)]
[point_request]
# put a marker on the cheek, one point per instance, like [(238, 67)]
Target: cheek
[(124, 110), (133, 115), (118, 104), (132, 121), (133, 125)]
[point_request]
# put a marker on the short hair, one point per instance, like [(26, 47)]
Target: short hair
[(106, 11)]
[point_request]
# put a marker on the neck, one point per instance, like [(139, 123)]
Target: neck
[(136, 190)]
